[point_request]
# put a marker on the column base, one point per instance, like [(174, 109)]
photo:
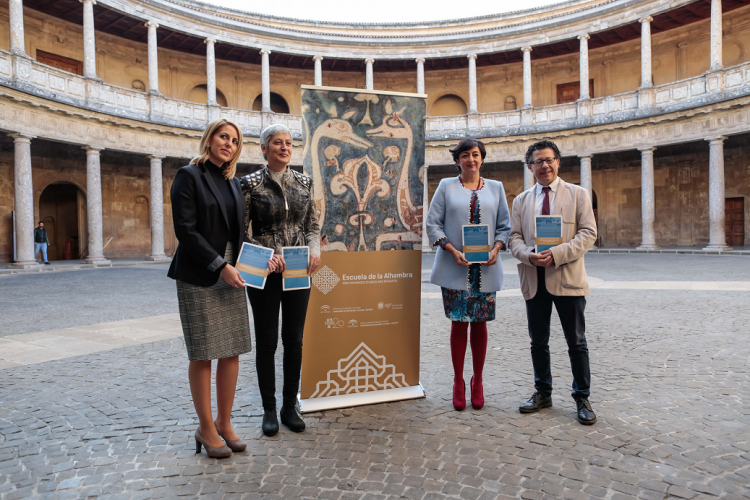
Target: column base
[(717, 248), (27, 264), (97, 261), (648, 247), (158, 258)]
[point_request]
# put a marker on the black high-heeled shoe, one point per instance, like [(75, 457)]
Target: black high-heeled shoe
[(220, 452)]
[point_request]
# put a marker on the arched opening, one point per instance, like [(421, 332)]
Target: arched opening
[(62, 208), (278, 103), (199, 95), (448, 105), (510, 103)]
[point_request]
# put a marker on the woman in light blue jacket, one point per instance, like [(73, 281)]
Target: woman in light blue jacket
[(468, 289)]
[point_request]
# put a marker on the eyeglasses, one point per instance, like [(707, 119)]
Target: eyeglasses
[(548, 161)]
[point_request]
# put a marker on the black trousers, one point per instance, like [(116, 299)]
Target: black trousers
[(570, 309), (265, 304)]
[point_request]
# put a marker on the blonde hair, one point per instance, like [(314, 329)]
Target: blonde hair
[(229, 168)]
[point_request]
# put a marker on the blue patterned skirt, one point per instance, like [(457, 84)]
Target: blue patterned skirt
[(470, 305)]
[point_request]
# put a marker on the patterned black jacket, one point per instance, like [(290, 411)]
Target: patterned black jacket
[(283, 215)]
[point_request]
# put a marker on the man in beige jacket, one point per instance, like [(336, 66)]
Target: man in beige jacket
[(555, 276)]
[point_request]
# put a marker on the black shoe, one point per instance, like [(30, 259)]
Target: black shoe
[(585, 414), (46, 263), (536, 403), (290, 417), (270, 423)]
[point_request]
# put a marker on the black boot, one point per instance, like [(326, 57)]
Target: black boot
[(585, 414), (270, 423), (291, 418), (536, 403)]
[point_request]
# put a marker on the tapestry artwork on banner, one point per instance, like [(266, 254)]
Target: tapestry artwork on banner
[(365, 154)]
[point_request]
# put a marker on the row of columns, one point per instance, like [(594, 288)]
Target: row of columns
[(89, 58), (23, 193)]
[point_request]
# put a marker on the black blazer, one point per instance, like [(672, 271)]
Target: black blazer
[(201, 225)]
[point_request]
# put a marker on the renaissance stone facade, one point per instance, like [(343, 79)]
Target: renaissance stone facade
[(102, 102)]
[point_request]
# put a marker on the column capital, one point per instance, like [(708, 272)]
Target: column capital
[(156, 157), (92, 150), (646, 19), (21, 137), (473, 57), (265, 52), (369, 60), (719, 139), (93, 2), (151, 24), (317, 58), (526, 49), (419, 60), (647, 150), (210, 41), (682, 45), (585, 36), (589, 156)]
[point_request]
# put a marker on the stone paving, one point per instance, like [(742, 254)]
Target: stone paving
[(670, 387)]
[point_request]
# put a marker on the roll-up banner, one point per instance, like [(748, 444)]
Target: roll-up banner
[(365, 152)]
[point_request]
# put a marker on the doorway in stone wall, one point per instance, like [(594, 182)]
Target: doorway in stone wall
[(734, 221), (62, 208)]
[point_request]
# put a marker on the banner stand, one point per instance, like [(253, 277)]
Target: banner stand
[(361, 398)]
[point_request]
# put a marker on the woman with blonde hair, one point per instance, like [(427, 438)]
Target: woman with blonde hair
[(208, 213)]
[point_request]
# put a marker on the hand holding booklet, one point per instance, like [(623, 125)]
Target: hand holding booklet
[(252, 263), (548, 232), (476, 243), (296, 277)]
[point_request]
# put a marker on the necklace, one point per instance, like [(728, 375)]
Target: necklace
[(480, 184)]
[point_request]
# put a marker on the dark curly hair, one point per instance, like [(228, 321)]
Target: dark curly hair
[(541, 145), (466, 145)]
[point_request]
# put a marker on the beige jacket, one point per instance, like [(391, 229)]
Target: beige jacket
[(567, 276)]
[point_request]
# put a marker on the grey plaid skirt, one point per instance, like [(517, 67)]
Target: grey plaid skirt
[(215, 319)]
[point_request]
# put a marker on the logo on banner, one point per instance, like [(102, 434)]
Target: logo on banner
[(325, 309), (334, 323), (325, 280), (361, 371)]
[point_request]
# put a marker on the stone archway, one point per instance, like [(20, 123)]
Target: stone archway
[(278, 103), (62, 208)]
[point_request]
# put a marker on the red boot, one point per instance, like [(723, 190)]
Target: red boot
[(478, 354), (458, 353)]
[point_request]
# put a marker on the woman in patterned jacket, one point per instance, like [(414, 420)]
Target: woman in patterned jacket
[(280, 212)]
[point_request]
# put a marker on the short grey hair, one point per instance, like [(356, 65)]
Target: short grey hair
[(270, 131)]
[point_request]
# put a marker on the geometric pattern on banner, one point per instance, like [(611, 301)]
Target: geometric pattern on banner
[(361, 371), (325, 279)]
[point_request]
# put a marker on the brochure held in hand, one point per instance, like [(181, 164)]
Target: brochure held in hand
[(252, 263), (476, 243), (548, 232), (297, 259)]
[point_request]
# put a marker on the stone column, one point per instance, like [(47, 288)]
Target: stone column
[(157, 211), (89, 39), (420, 76), (648, 237), (369, 83), (473, 108), (15, 13), (716, 34), (23, 195), (153, 59), (94, 206), (584, 67), (716, 203), (526, 77), (528, 177), (586, 175), (646, 79), (265, 81), (425, 210), (210, 72), (318, 70)]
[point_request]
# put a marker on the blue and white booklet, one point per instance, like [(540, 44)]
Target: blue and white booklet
[(476, 243), (252, 263), (548, 232), (296, 277)]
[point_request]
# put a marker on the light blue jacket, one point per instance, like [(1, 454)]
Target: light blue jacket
[(449, 210)]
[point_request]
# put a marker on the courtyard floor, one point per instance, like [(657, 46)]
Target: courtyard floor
[(94, 400)]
